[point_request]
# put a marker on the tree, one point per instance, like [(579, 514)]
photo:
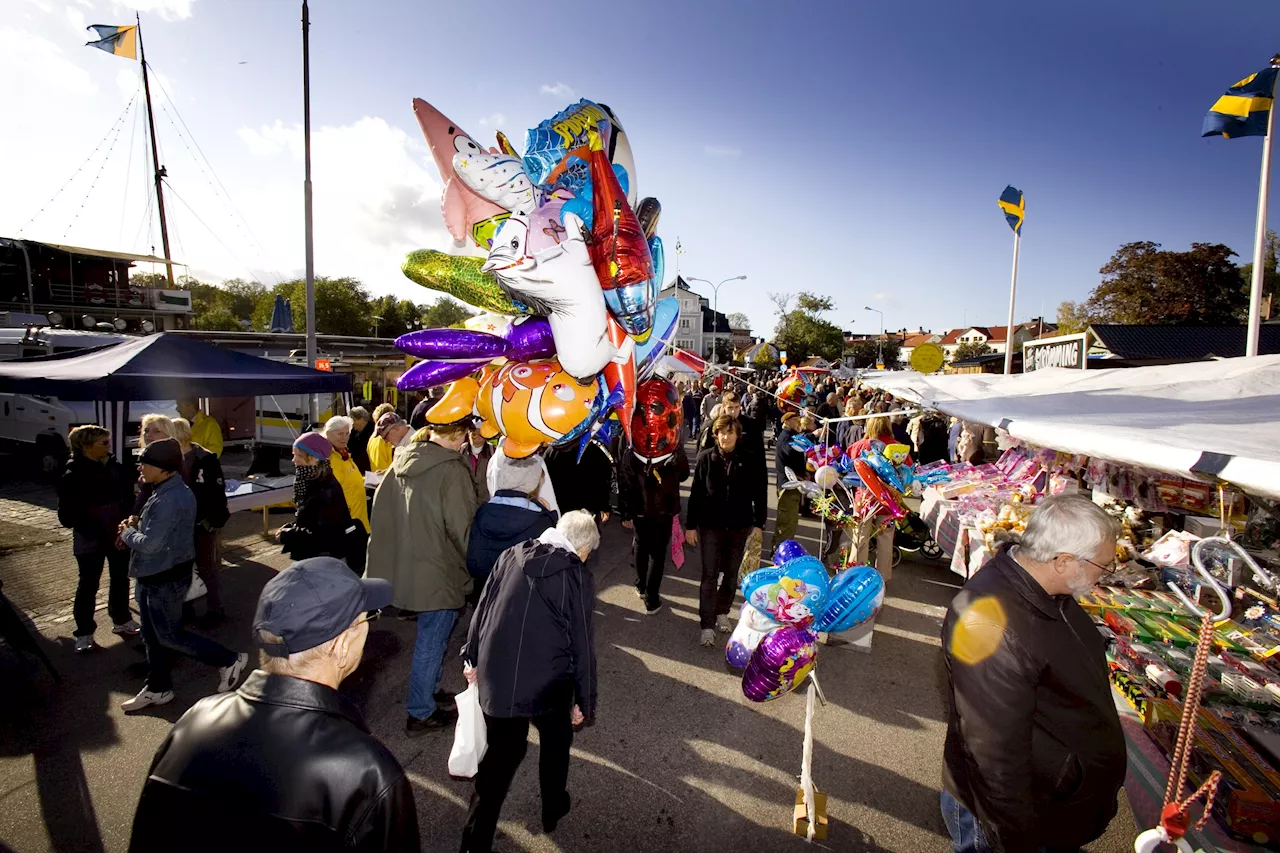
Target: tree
[(1072, 318), (1270, 276), (342, 306), (973, 349), (724, 350), (738, 320), (765, 359), (240, 297), (443, 312), (1143, 285), (866, 353), (802, 332), (392, 317), (217, 319)]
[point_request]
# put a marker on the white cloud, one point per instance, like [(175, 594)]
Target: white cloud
[(721, 151), (31, 63), (42, 5), (76, 17), (495, 120), (169, 10), (559, 90)]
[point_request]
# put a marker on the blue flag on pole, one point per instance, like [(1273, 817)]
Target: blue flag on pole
[(1014, 207), (1244, 109)]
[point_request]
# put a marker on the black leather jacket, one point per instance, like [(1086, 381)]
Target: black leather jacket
[(281, 764), (1034, 745)]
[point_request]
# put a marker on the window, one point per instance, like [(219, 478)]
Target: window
[(685, 323)]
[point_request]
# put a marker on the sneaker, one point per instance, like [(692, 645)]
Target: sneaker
[(649, 611), (127, 629), (229, 676), (85, 644), (440, 720), (723, 625), (708, 637), (146, 699), (640, 592)]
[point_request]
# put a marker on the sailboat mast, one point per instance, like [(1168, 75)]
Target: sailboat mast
[(155, 156)]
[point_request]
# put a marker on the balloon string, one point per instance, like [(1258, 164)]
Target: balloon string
[(806, 763)]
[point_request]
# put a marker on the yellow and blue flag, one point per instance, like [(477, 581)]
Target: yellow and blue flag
[(121, 41), (1244, 109), (1014, 207)]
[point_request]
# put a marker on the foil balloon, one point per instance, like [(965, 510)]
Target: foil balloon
[(624, 162), (896, 453), (856, 596), (884, 470), (547, 145), (523, 340), (494, 324), (665, 315), (788, 550), (657, 420), (461, 278), (496, 176), (559, 283), (619, 249), (529, 403), (751, 629), (781, 662), (620, 375), (659, 265), (467, 215), (882, 494), (648, 213), (792, 592), (827, 477)]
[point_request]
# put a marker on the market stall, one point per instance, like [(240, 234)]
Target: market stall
[(1185, 458)]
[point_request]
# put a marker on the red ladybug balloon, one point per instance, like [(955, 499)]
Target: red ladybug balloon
[(657, 419)]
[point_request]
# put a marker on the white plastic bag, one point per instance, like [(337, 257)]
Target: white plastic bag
[(470, 739), (197, 588)]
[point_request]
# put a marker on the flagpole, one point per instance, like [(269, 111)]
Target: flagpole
[(306, 199), (155, 155), (1260, 233), (1013, 293)]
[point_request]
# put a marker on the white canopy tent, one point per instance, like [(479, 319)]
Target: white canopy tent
[(1208, 420)]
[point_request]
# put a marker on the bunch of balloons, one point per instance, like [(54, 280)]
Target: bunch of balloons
[(881, 475), (775, 641), (569, 285)]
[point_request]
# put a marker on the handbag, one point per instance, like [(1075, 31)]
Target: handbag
[(470, 737), (197, 588), (677, 543)]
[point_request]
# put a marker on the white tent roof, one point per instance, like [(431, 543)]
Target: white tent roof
[(670, 364), (1215, 419)]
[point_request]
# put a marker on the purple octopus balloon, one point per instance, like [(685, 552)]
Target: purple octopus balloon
[(523, 340), (429, 374), (530, 338), (780, 663)]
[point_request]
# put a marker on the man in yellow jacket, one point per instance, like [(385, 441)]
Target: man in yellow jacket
[(380, 452), (205, 431)]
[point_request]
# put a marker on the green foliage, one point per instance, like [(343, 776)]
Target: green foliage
[(216, 319), (865, 353), (738, 320), (1270, 275), (973, 349), (1143, 285), (765, 359), (149, 279), (802, 332), (342, 306), (1072, 318), (444, 312)]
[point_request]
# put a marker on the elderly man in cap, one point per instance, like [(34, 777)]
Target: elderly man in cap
[(286, 762), (163, 544), (395, 431)]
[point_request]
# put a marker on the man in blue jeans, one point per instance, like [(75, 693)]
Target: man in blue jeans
[(422, 514), (162, 542)]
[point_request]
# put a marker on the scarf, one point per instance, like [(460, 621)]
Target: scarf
[(306, 481), (343, 453)]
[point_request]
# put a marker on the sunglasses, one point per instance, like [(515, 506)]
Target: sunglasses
[(371, 616)]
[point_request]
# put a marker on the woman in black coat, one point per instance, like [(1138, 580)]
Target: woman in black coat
[(94, 495), (648, 500), (322, 524), (727, 503)]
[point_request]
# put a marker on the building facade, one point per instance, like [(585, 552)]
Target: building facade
[(697, 326)]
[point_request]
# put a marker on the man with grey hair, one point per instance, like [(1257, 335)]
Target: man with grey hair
[(513, 515), (1034, 755), (531, 651), (286, 761)]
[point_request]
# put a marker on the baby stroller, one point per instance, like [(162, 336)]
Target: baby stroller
[(912, 534)]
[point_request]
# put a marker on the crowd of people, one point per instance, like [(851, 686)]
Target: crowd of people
[(456, 525)]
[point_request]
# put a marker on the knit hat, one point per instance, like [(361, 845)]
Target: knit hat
[(165, 454), (386, 422), (314, 444)]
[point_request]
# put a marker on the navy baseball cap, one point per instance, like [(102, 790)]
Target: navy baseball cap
[(313, 601)]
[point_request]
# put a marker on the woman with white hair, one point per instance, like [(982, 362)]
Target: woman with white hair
[(338, 430), (513, 515), (531, 651)]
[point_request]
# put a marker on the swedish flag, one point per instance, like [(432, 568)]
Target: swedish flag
[(121, 41), (1244, 109), (1014, 207)]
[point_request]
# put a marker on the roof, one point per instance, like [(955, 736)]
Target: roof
[(159, 367), (1182, 343), (720, 321), (103, 253), (993, 334), (916, 340)]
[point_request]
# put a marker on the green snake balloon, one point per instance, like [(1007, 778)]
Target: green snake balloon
[(461, 278)]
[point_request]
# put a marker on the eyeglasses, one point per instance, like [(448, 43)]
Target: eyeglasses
[(1109, 569), (371, 616)]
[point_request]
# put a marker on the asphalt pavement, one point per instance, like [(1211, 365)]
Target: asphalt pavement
[(679, 760)]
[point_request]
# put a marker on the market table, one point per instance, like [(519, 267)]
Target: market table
[(261, 493)]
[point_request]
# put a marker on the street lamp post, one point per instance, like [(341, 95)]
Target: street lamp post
[(715, 310), (879, 340)]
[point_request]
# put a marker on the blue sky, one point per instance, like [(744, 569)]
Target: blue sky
[(853, 151)]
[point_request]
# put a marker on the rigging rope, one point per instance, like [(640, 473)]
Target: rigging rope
[(230, 251), (119, 126)]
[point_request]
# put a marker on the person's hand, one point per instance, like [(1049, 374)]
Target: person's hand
[(469, 673), (575, 716), (604, 517), (134, 521), (691, 537), (629, 525)]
